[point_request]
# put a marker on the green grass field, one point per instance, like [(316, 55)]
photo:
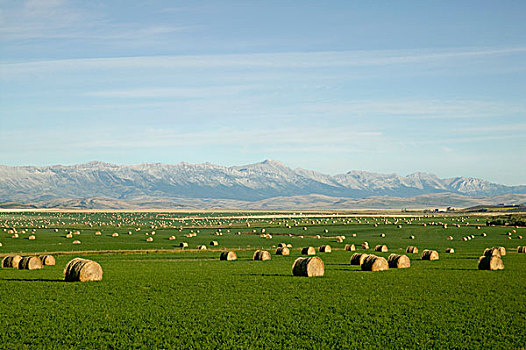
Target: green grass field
[(188, 299)]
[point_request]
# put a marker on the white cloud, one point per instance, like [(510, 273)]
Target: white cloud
[(285, 60)]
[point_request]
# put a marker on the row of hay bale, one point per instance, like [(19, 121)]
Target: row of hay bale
[(491, 259), (27, 262), (78, 269)]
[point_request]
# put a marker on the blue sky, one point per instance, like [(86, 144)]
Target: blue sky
[(384, 86)]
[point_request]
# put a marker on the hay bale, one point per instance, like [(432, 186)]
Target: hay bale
[(450, 250), (325, 249), (30, 263), (308, 267), (382, 235), (32, 237), (262, 255), (493, 262), (48, 260), (521, 249), (350, 247), (411, 249), (308, 251), (282, 251), (201, 247), (494, 251), (449, 238), (411, 237), (381, 248), (171, 238), (214, 243), (98, 233), (374, 263), (228, 255), (183, 245), (76, 242), (502, 251), (428, 254), (11, 261), (115, 234), (358, 258), (82, 270), (281, 245), (365, 245), (398, 261)]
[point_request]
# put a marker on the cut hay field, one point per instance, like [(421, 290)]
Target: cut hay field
[(180, 299)]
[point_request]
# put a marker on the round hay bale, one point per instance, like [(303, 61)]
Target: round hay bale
[(282, 251), (374, 263), (115, 234), (82, 270), (149, 239), (1, 244), (411, 249), (325, 249), (289, 245), (98, 233), (483, 234), (381, 248), (382, 235), (449, 238), (350, 247), (69, 235), (262, 255), (308, 267), (201, 247), (521, 249), (229, 255), (32, 237), (365, 245), (502, 251), (411, 237), (399, 261), (48, 260), (450, 250), (171, 238), (358, 258), (491, 252), (493, 262), (428, 254), (183, 245), (308, 251), (30, 263), (11, 261), (214, 243), (76, 242)]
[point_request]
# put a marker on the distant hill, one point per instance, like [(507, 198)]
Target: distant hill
[(265, 184)]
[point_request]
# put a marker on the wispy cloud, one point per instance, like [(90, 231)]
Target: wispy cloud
[(285, 60), (58, 19), (171, 92)]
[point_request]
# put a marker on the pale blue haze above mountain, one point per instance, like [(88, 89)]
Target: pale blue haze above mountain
[(381, 86)]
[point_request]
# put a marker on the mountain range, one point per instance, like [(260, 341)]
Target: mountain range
[(208, 185)]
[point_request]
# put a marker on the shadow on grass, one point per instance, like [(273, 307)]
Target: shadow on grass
[(31, 280), (266, 274), (452, 269)]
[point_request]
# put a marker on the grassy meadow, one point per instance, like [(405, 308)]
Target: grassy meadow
[(178, 298)]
